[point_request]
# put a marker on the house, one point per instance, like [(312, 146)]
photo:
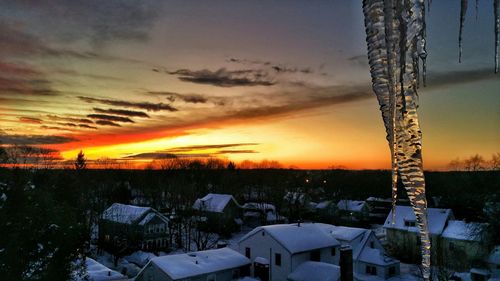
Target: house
[(277, 250), (326, 211), (255, 214), (314, 271), (402, 233), (296, 205), (222, 211), (369, 256), (463, 245), (219, 264), (353, 210), (125, 228), (95, 271)]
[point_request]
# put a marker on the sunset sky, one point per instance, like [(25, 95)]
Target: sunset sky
[(281, 80)]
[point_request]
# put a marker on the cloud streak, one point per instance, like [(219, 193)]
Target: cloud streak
[(140, 105), (122, 112), (33, 139), (112, 118), (225, 78)]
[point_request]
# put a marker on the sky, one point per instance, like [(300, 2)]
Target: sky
[(278, 80)]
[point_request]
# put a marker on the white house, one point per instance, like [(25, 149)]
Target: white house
[(222, 211), (353, 209), (368, 254), (402, 234), (277, 250), (314, 271), (211, 265), (98, 272)]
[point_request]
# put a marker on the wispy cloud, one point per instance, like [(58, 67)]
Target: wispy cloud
[(110, 118), (33, 139), (30, 120), (140, 105), (194, 151), (225, 78), (107, 123), (122, 112)]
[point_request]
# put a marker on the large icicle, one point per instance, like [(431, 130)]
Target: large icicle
[(463, 12), (395, 38), (496, 8)]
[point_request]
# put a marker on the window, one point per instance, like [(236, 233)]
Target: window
[(334, 251), (277, 259), (451, 246), (315, 255), (372, 244), (106, 237), (410, 223), (236, 274), (371, 270), (247, 252), (392, 271), (211, 277)]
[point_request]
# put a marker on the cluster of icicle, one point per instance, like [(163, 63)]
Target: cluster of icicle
[(395, 36), (395, 32), (496, 14)]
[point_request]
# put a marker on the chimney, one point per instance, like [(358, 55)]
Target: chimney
[(346, 273)]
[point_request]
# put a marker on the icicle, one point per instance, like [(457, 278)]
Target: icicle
[(477, 9), (394, 80), (463, 12), (496, 8)]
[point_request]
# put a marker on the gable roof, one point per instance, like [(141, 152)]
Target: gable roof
[(461, 230), (437, 219), (351, 205), (213, 202), (122, 213), (375, 256), (199, 263), (297, 239), (98, 272), (346, 233), (313, 271)]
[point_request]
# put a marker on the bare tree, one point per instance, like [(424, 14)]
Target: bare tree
[(495, 161), (475, 163)]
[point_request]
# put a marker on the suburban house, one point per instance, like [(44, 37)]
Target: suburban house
[(95, 271), (369, 256), (326, 211), (278, 250), (494, 260), (255, 214), (314, 271), (296, 205), (211, 265), (123, 228), (353, 210), (463, 245), (222, 211)]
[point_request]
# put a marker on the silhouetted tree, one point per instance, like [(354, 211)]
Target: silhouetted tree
[(81, 161)]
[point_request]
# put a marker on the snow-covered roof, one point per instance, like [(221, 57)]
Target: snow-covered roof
[(259, 206), (124, 213), (375, 256), (345, 233), (199, 263), (437, 219), (295, 238), (323, 204), (461, 230), (377, 199), (351, 205), (213, 202), (98, 272), (147, 218), (494, 256), (314, 271)]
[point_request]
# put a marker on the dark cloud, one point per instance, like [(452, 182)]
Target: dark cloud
[(87, 126), (70, 119), (141, 105), (236, 151), (33, 139), (225, 78), (21, 79), (107, 123), (278, 68), (30, 120), (361, 60), (96, 21), (129, 113), (88, 75), (45, 127), (209, 146), (188, 98), (110, 118)]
